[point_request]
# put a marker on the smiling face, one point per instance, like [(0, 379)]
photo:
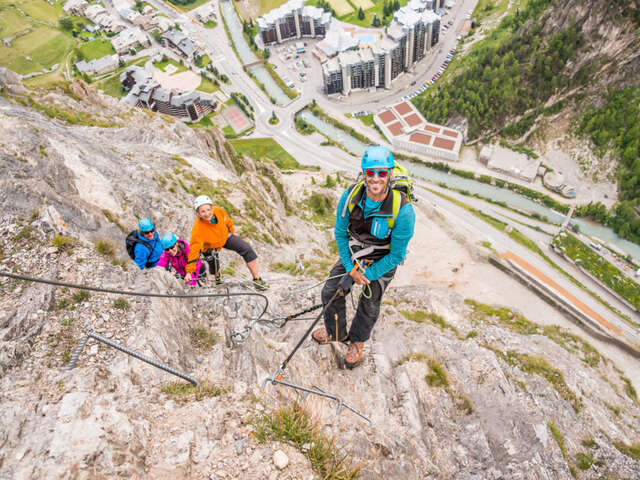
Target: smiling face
[(205, 212), (173, 251), (376, 186), (149, 235)]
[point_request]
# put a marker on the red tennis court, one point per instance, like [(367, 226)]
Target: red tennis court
[(236, 119)]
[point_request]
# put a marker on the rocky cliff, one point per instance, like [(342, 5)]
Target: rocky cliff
[(455, 388)]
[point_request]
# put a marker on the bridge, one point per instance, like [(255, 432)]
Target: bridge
[(565, 223), (258, 62)]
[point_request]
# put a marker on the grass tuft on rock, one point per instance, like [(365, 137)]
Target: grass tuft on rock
[(420, 316), (559, 437), (295, 425), (121, 304), (181, 391), (437, 376), (106, 247), (631, 451), (63, 243), (203, 338)]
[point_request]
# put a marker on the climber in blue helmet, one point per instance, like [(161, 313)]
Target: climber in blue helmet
[(143, 245), (374, 224)]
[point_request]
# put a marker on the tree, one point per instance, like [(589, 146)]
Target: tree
[(360, 14), (376, 20), (396, 5), (157, 36), (266, 53), (66, 23)]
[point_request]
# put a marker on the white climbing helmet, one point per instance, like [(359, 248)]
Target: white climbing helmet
[(201, 200)]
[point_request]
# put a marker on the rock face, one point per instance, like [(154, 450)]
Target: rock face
[(454, 388)]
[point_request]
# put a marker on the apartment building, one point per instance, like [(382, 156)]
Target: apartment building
[(293, 20)]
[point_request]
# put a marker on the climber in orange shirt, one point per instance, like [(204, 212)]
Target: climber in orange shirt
[(212, 231)]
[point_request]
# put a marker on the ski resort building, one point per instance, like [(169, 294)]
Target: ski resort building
[(293, 20)]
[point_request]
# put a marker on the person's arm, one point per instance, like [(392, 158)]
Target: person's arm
[(400, 236), (341, 232), (164, 260), (195, 246), (141, 255), (228, 222)]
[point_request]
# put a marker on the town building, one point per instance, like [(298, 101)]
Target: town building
[(99, 65), (514, 164), (293, 20), (181, 43), (144, 92), (128, 39), (406, 129), (408, 39), (75, 7), (556, 182), (205, 13)]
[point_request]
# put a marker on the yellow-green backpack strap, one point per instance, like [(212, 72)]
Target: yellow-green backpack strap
[(353, 194), (397, 200)]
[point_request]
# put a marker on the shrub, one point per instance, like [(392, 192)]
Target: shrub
[(63, 244), (121, 304), (106, 248)]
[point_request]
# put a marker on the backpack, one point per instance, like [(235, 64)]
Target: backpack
[(401, 182), (132, 240)]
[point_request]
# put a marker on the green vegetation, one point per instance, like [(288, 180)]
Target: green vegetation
[(294, 425), (188, 5), (111, 83), (318, 112), (207, 86), (517, 323), (382, 9), (203, 338), (537, 365), (559, 437), (63, 243), (600, 268), (80, 296), (420, 316), (95, 49), (510, 71), (289, 92), (181, 391), (162, 65), (260, 148), (25, 234), (121, 304), (367, 120), (211, 24), (629, 390), (39, 49), (437, 376), (106, 248), (589, 442), (632, 451), (273, 119), (114, 219), (303, 127)]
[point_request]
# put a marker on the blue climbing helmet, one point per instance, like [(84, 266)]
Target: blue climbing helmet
[(145, 225), (377, 157), (168, 240)]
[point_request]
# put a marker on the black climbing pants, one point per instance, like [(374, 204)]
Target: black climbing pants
[(234, 243), (335, 316)]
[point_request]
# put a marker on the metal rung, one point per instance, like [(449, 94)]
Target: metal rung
[(139, 356), (315, 390)]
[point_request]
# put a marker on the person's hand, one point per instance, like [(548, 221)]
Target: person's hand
[(187, 278), (359, 278)]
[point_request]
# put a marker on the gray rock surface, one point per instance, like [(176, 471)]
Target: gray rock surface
[(452, 392)]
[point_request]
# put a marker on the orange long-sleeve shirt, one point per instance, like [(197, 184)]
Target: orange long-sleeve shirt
[(207, 235)]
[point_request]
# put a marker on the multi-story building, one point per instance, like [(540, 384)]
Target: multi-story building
[(181, 43), (293, 20), (408, 39), (144, 92)]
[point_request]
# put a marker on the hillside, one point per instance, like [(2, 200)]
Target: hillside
[(455, 387), (549, 75)]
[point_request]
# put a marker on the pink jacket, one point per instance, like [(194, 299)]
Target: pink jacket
[(179, 262)]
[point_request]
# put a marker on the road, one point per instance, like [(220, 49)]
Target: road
[(218, 47)]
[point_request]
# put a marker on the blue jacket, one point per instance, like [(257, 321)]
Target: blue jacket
[(142, 255), (400, 236)]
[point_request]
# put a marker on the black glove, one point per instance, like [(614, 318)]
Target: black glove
[(345, 284)]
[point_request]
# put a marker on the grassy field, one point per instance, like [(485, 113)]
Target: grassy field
[(41, 10), (207, 86), (600, 268), (211, 24), (11, 21), (96, 49), (342, 7), (39, 49), (191, 6), (368, 14), (111, 85), (365, 4), (367, 120), (261, 148), (162, 65), (268, 5)]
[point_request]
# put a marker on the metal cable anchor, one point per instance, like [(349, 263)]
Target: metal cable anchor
[(139, 356)]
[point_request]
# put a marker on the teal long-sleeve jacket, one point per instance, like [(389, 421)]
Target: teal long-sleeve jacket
[(399, 238)]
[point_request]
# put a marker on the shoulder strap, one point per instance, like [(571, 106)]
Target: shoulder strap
[(352, 198), (397, 201)]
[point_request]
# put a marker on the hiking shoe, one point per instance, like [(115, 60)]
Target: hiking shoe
[(321, 336), (354, 354), (218, 280), (260, 284)]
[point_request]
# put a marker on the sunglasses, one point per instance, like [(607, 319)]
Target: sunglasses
[(170, 248), (379, 173), (147, 233)]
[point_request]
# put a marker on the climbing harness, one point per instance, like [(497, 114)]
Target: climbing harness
[(342, 290), (139, 356)]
